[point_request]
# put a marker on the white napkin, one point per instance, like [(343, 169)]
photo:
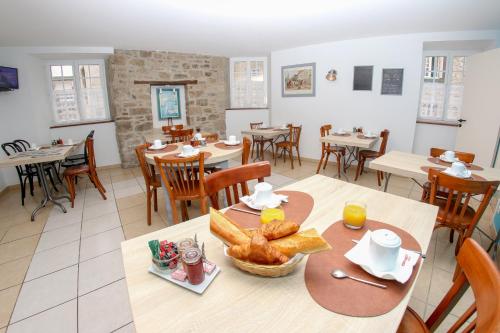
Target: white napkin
[(193, 153), (449, 171), (359, 255), (249, 200)]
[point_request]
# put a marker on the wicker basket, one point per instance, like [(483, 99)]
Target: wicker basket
[(269, 270)]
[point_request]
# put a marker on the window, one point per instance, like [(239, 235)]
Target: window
[(442, 87), (248, 81), (78, 91)]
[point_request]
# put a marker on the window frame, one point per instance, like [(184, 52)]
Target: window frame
[(232, 61), (76, 75)]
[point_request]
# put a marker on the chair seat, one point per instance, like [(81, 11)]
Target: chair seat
[(262, 139), (461, 222), (412, 323), (335, 149), (76, 170), (441, 191), (285, 144), (75, 157), (72, 163), (368, 153)]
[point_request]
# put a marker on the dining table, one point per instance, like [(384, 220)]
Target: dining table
[(272, 132), (415, 167), (237, 301), (38, 158), (353, 141)]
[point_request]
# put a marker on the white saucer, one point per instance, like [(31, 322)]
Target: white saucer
[(276, 200), (370, 136), (340, 132), (194, 153), (157, 148), (444, 159), (231, 143), (450, 172)]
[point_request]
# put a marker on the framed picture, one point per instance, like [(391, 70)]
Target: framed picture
[(392, 81), (169, 104), (298, 80), (363, 77)]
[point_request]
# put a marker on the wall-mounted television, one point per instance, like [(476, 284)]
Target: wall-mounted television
[(8, 78)]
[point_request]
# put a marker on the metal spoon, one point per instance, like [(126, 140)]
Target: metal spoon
[(340, 274)]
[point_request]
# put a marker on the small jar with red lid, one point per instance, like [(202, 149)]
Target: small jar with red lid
[(193, 264)]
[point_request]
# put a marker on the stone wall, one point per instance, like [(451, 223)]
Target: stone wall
[(131, 103)]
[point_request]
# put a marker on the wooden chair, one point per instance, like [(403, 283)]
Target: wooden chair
[(89, 169), (184, 182), (287, 145), (454, 210), (436, 152), (152, 180), (181, 135), (327, 149), (260, 141), (245, 155), (363, 155), (167, 129), (481, 274), (228, 179), (212, 137)]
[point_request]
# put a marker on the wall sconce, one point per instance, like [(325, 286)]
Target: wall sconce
[(331, 75)]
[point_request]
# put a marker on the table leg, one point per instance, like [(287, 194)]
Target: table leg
[(386, 183), (351, 156), (46, 192)]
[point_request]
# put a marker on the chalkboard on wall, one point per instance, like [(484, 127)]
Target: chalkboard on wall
[(363, 76), (392, 81)]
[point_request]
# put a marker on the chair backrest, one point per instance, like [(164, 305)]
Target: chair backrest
[(181, 175), (480, 273), (295, 134), (228, 179), (255, 125), (462, 156), (10, 148), (181, 135), (460, 191), (245, 155), (324, 131), (89, 144), (23, 144), (212, 137), (85, 153), (146, 168), (383, 145)]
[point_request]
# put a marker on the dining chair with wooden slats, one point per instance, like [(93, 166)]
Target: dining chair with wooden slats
[(151, 179), (183, 179), (327, 149), (286, 146), (363, 155), (181, 135), (230, 178), (259, 142), (454, 210), (479, 272), (436, 152)]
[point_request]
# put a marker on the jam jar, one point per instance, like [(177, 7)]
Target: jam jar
[(193, 265)]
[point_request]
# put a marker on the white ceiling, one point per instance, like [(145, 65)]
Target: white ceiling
[(231, 27)]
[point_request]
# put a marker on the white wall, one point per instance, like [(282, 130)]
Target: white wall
[(428, 136), (238, 120), (26, 113), (337, 103)]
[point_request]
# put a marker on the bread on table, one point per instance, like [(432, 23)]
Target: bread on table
[(258, 251), (274, 229), (308, 242), (226, 230)]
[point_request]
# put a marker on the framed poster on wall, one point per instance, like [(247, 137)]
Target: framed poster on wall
[(298, 80), (363, 77), (392, 81), (169, 103)]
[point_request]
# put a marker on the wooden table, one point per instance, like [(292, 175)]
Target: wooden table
[(268, 133), (241, 302), (352, 144), (158, 134), (54, 154), (409, 165)]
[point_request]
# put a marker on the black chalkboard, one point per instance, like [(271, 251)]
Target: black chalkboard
[(363, 76), (392, 81)]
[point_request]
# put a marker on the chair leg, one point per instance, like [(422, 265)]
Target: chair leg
[(155, 198), (339, 156), (262, 151), (378, 179), (276, 156), (71, 189), (98, 185), (96, 179), (23, 189), (326, 160), (358, 169), (272, 148), (32, 187), (452, 232), (148, 204), (424, 196), (298, 155), (290, 152), (203, 205), (320, 160), (175, 214), (49, 173), (184, 213)]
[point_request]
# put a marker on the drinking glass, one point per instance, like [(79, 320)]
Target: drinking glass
[(354, 214)]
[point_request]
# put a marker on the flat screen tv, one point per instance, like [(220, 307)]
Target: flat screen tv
[(8, 78)]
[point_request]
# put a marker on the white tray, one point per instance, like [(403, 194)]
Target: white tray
[(199, 288)]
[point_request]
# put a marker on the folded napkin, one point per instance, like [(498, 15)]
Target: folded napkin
[(360, 255), (276, 200)]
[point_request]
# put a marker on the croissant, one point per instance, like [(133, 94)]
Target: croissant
[(258, 251), (275, 229)]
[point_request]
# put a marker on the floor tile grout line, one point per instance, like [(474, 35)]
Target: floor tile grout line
[(130, 322), (45, 310), (47, 274), (103, 286)]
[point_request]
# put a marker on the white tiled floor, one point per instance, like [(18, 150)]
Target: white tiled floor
[(64, 272)]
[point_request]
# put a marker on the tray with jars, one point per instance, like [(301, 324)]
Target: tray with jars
[(182, 263)]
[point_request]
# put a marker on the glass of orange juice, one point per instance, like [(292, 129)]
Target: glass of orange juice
[(354, 214), (270, 214)]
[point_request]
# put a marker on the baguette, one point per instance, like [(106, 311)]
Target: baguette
[(226, 230), (308, 241)]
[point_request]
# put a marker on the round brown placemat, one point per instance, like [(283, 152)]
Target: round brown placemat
[(222, 145), (361, 136), (167, 149), (346, 296), (338, 134), (171, 156), (473, 176), (298, 208), (437, 160)]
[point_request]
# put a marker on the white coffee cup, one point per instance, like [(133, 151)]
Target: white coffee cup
[(449, 155), (198, 136), (263, 193), (368, 133), (187, 149), (232, 138), (341, 131), (69, 141), (264, 125), (157, 143), (459, 169), (384, 249)]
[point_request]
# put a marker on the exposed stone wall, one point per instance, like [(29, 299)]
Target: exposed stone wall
[(131, 103)]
